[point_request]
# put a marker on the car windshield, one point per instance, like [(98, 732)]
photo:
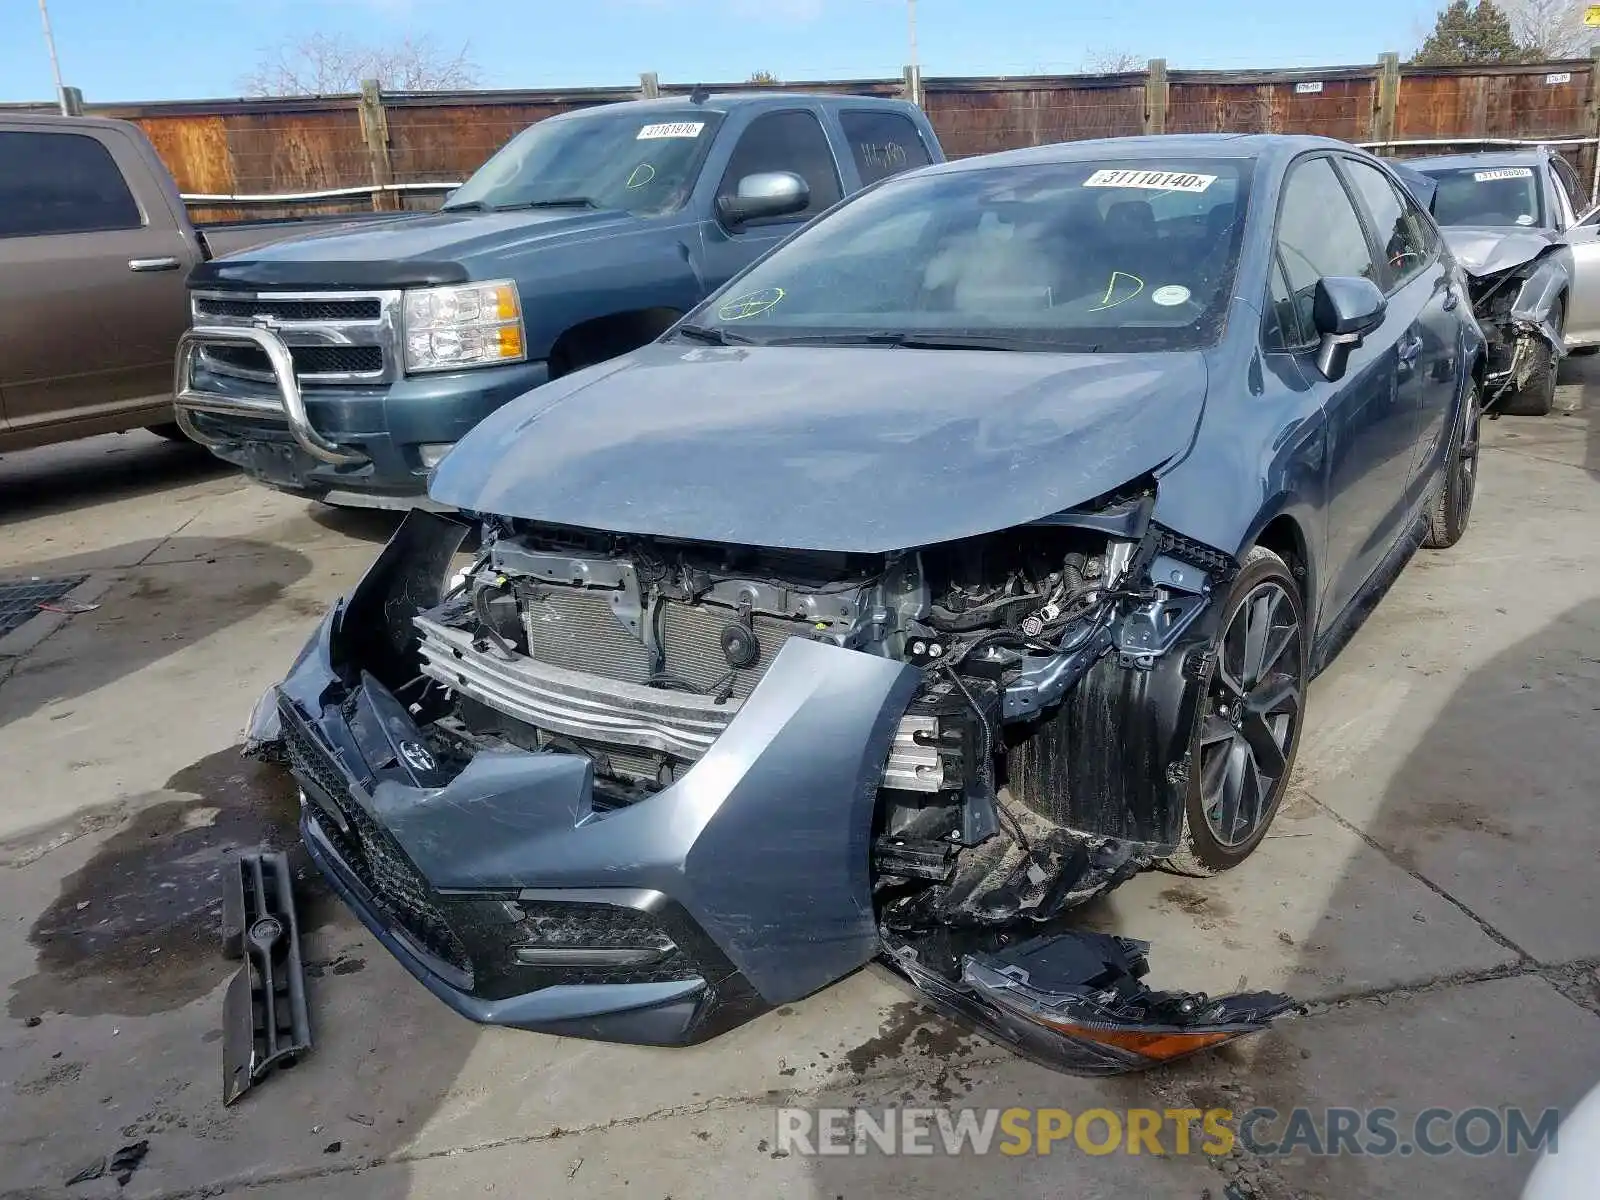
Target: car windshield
[(644, 161), (1493, 196), (1105, 255)]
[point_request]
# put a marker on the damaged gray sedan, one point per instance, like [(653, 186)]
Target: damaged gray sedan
[(967, 555)]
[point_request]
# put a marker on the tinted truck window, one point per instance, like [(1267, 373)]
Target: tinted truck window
[(61, 183), (882, 143), (786, 141)]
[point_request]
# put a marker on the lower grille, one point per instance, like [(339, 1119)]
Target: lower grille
[(308, 360), (367, 849)]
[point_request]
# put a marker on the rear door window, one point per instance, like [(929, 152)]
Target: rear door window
[(1567, 178), (1396, 227), (786, 141), (882, 143), (61, 183)]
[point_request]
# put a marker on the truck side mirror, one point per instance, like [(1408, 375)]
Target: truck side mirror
[(1344, 311), (767, 194)]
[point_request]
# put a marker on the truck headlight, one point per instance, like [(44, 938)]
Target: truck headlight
[(473, 325)]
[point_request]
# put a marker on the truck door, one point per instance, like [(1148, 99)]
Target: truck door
[(92, 286), (788, 140)]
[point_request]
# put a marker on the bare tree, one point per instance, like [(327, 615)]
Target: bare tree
[(1112, 62), (1550, 28), (320, 64)]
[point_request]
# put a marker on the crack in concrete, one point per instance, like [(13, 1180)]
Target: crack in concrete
[(1498, 938)]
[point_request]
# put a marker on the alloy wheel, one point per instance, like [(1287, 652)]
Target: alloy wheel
[(1253, 709)]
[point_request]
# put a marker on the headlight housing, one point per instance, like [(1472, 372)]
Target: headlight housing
[(470, 325)]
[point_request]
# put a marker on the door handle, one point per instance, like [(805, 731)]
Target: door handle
[(168, 263)]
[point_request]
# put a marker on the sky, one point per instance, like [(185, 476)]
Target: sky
[(127, 50)]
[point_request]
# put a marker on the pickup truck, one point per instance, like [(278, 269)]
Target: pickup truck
[(94, 247), (343, 366)]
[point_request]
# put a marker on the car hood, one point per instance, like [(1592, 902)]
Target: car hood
[(863, 449), (1489, 251), (417, 250)]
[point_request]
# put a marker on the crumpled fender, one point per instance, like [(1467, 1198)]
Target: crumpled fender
[(1541, 293)]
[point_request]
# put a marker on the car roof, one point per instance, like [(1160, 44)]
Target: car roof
[(1530, 157), (51, 120), (1154, 147), (722, 102)]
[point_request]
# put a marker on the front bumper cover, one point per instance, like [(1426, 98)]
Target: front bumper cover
[(519, 897)]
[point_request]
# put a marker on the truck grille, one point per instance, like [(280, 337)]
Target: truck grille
[(308, 360), (290, 310), (334, 338), (367, 850)]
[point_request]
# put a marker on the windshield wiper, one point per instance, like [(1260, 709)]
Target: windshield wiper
[(713, 337), (469, 206), (553, 202), (929, 341)]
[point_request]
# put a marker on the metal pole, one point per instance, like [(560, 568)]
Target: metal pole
[(916, 66), (55, 65)]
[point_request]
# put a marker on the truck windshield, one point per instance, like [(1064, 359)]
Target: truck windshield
[(643, 161), (1492, 196), (1105, 255)]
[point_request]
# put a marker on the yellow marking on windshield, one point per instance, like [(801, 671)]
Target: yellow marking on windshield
[(1106, 301), (751, 305)]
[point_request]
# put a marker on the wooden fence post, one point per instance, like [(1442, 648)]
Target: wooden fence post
[(1591, 124), (1386, 100), (1155, 97), (649, 85), (913, 88), (375, 132)]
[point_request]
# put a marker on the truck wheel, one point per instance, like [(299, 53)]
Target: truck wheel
[(1452, 507), (1537, 398), (168, 430), (1248, 727)]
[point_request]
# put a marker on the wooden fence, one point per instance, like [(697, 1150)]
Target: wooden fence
[(274, 147)]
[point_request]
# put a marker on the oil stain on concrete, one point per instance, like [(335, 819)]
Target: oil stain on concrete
[(136, 929)]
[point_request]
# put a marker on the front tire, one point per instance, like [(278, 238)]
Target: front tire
[(1247, 729), (1452, 507), (1539, 395)]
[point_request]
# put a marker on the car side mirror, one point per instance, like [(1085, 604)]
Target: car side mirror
[(767, 194), (1344, 311)]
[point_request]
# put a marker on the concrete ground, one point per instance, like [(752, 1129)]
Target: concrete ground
[(1430, 888)]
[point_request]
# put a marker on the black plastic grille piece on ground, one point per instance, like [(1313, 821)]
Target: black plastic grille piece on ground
[(21, 598), (265, 1021)]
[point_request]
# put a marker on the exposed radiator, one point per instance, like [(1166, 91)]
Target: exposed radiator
[(691, 637), (577, 628)]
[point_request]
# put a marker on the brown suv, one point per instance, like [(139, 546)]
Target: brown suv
[(95, 246)]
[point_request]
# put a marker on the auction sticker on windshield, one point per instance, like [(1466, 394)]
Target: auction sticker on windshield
[(1156, 181), (1502, 173), (672, 129)]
